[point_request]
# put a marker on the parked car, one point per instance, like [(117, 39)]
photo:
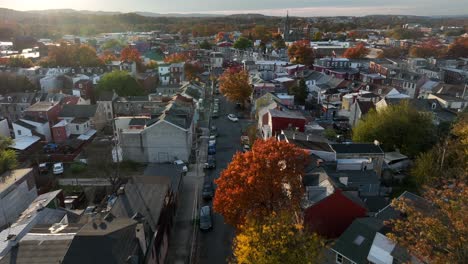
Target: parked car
[(58, 168), (208, 191), (50, 148), (210, 162), (245, 140), (89, 210), (215, 114), (233, 118), (206, 218), (211, 150), (245, 148), (212, 142), (181, 163), (213, 131), (44, 167)]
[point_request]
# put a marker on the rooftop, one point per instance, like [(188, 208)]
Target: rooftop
[(78, 111), (41, 106), (9, 178), (355, 243), (357, 148), (286, 114)]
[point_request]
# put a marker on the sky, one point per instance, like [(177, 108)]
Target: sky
[(267, 7)]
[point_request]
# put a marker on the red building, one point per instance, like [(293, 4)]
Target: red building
[(45, 110), (332, 215), (278, 119), (60, 131)]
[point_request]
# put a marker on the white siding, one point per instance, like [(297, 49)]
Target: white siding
[(21, 131)]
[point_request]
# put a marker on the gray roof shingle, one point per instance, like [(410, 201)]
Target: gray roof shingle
[(78, 111)]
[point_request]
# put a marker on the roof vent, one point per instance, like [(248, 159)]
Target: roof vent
[(359, 239)]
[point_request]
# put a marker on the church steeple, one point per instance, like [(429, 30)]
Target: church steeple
[(286, 27)]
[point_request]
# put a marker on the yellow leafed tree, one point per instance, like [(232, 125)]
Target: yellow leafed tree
[(277, 239)]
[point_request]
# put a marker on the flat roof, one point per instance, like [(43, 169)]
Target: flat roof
[(41, 106), (11, 177)]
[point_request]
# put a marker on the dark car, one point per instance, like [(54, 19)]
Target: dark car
[(50, 148), (211, 150), (44, 167), (206, 218), (208, 191), (210, 162)]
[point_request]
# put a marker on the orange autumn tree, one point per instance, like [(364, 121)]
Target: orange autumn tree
[(235, 85), (107, 56), (192, 70), (438, 234), (175, 58), (130, 54), (358, 52), (261, 181), (430, 48), (459, 48), (301, 52)]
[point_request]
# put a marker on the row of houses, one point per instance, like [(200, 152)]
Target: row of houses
[(132, 225)]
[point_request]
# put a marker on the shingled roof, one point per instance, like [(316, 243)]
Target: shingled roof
[(78, 111)]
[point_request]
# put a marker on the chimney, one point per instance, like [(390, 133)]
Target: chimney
[(140, 234)]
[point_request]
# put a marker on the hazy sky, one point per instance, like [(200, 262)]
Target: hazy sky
[(269, 7)]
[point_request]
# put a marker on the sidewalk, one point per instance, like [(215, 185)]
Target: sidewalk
[(183, 239)]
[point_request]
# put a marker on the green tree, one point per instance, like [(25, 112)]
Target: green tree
[(300, 92), (121, 82), (278, 42), (7, 156), (205, 45), (112, 44), (276, 240), (20, 61), (448, 158), (330, 134), (318, 36), (399, 126), (13, 83), (243, 43)]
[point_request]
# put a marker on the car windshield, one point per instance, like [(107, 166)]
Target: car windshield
[(58, 166)]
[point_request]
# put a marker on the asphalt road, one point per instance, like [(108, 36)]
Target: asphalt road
[(215, 246)]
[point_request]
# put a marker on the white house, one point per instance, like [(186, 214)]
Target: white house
[(164, 73)]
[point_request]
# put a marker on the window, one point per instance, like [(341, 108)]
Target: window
[(19, 132), (339, 258), (77, 127)]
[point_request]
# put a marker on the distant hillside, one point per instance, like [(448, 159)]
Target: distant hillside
[(151, 14), (56, 23)]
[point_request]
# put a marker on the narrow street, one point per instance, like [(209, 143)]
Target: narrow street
[(215, 246)]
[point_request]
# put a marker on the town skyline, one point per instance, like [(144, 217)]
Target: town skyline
[(270, 7)]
